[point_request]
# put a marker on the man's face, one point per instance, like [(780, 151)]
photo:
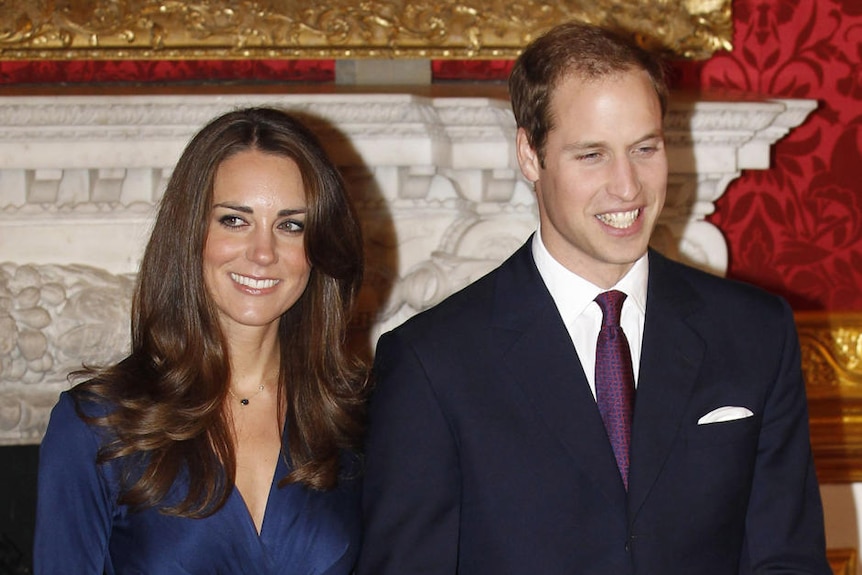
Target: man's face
[(604, 178)]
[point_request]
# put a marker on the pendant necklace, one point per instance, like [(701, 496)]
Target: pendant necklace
[(245, 400)]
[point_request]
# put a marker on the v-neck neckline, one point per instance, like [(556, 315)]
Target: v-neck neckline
[(269, 497)]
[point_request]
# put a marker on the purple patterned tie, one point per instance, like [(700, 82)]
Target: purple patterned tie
[(615, 381)]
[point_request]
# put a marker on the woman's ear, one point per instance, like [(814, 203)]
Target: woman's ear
[(528, 159)]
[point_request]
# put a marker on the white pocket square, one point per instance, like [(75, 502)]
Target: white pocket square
[(726, 413)]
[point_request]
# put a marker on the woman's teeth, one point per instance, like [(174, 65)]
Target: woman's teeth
[(253, 283)]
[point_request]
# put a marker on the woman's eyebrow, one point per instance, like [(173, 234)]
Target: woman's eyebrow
[(291, 212), (248, 210)]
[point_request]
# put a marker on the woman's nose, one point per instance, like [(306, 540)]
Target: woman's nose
[(261, 249)]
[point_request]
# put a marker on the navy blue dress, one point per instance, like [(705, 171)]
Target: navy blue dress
[(81, 529)]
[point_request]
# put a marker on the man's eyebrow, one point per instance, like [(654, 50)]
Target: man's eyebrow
[(652, 136), (575, 146), (591, 145)]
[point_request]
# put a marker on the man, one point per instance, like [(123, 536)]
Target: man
[(499, 443)]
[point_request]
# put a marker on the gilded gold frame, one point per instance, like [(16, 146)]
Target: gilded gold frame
[(441, 29), (842, 561), (832, 361)]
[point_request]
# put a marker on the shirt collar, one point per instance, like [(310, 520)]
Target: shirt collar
[(573, 293)]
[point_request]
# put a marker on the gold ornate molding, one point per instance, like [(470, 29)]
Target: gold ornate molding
[(832, 362), (842, 561), (226, 29)]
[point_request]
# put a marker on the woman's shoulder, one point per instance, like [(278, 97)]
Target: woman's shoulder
[(74, 426), (76, 496), (65, 412), (68, 422)]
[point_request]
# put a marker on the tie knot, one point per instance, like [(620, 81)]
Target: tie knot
[(611, 303)]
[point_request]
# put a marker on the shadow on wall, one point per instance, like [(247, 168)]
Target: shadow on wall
[(18, 465)]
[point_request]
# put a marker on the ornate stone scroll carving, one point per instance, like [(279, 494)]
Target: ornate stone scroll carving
[(53, 319), (435, 180), (150, 29)]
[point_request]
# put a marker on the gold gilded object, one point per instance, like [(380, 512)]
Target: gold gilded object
[(831, 345), (842, 561), (442, 29)]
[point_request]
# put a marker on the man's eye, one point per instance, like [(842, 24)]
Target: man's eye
[(648, 149)]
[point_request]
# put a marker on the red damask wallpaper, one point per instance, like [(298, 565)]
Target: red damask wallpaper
[(172, 72), (795, 229)]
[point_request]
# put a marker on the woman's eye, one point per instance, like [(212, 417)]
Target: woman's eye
[(231, 221), (292, 226)]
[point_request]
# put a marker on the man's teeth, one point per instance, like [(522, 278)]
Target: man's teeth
[(619, 220), (253, 283)]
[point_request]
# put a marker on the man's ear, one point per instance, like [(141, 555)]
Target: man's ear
[(528, 159)]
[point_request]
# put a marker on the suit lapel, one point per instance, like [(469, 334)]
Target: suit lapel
[(670, 360), (537, 351)]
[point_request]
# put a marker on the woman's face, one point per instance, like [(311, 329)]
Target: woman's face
[(254, 262)]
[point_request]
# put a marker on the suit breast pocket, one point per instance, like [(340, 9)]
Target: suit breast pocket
[(725, 432)]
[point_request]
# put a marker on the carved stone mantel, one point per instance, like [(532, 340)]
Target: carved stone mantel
[(435, 180)]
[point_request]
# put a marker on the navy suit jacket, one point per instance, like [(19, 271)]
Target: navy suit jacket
[(486, 453)]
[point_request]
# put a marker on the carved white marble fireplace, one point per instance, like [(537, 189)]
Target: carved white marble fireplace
[(434, 178)]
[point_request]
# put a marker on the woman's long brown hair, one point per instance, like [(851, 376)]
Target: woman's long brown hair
[(163, 404)]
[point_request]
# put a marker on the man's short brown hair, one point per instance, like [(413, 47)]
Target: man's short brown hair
[(574, 48)]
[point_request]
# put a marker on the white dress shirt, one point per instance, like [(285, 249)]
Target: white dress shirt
[(574, 297)]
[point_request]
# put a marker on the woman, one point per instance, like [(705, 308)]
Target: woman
[(225, 442)]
